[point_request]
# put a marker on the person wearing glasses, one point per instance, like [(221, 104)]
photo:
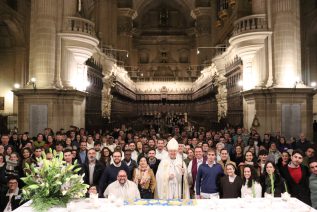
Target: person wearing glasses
[(110, 173), (123, 188), (10, 199)]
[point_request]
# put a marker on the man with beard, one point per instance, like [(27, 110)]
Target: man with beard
[(110, 173), (123, 188), (153, 161), (93, 168), (296, 176)]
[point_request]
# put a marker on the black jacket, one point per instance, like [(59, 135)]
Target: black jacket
[(133, 165), (301, 190), (279, 186), (98, 170), (15, 200), (155, 165)]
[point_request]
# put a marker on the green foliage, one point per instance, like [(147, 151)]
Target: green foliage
[(52, 183)]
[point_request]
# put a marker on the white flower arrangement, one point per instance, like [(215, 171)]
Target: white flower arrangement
[(53, 183)]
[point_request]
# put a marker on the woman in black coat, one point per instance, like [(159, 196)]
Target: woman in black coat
[(271, 180)]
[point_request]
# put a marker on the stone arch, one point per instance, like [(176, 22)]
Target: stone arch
[(143, 6), (12, 57)]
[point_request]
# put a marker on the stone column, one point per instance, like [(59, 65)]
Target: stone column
[(202, 15), (106, 22), (259, 6), (286, 37), (43, 42), (125, 25)]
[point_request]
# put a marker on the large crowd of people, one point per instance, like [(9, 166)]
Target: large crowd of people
[(229, 163)]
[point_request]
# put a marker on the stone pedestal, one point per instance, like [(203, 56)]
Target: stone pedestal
[(287, 110), (52, 108)]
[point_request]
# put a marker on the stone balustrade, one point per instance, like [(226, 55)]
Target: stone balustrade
[(79, 25), (252, 23)]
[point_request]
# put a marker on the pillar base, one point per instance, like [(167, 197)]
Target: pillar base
[(285, 110), (54, 108)]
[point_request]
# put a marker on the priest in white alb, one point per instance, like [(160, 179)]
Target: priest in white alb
[(171, 176)]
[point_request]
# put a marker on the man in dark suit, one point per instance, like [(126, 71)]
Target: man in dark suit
[(82, 154), (10, 198), (93, 168)]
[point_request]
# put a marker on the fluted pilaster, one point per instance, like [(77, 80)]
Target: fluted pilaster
[(42, 42), (286, 37)]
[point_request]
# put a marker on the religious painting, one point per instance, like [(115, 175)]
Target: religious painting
[(1, 103)]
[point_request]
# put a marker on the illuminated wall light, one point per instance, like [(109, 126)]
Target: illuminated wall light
[(240, 83), (313, 84), (33, 79), (87, 84), (16, 85)]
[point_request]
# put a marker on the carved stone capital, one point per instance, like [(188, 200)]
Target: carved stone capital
[(127, 12), (201, 11)]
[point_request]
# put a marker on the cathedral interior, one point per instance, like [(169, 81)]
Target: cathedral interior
[(149, 63)]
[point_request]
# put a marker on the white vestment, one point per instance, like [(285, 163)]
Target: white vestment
[(171, 188), (129, 191)]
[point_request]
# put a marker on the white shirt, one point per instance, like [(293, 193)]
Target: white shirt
[(161, 154), (249, 192), (109, 146), (134, 155), (90, 146), (128, 191), (9, 206), (91, 172)]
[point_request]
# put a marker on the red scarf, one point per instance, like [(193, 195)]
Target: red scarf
[(194, 169)]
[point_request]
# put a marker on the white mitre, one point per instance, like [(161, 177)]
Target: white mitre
[(172, 144)]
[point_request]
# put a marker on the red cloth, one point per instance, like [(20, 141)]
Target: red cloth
[(195, 170), (296, 173)]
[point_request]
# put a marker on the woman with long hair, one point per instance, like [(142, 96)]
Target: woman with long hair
[(139, 147), (144, 177), (8, 151), (105, 157), (248, 160), (271, 181), (250, 187), (239, 141), (26, 154), (13, 165), (283, 160), (237, 156), (24, 139)]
